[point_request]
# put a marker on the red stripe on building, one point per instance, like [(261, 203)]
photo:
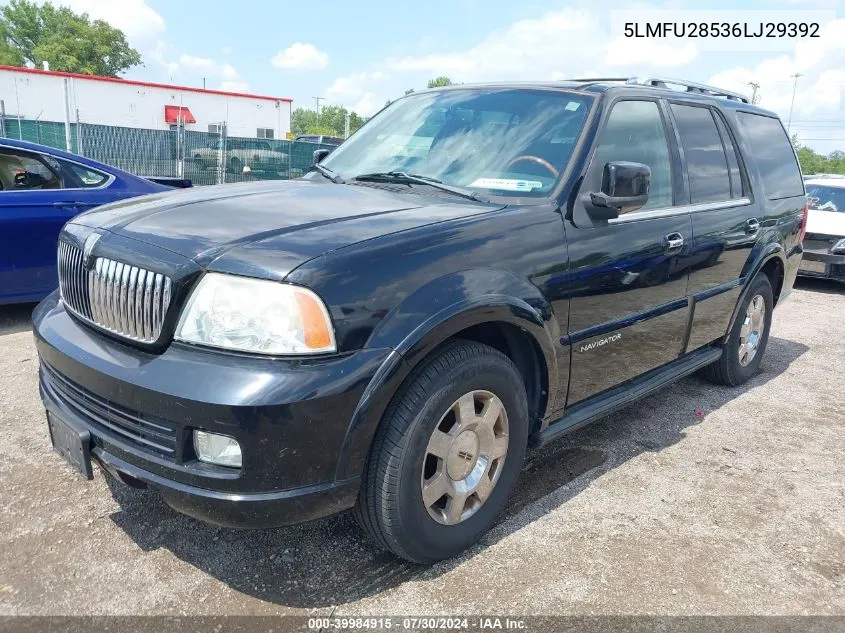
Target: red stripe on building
[(148, 84)]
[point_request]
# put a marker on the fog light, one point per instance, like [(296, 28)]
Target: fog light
[(217, 449)]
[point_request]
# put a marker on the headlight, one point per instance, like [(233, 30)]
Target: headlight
[(838, 248), (255, 315)]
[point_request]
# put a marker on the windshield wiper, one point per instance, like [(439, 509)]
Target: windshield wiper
[(417, 179), (328, 173)]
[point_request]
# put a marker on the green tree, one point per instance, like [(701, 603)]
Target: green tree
[(437, 82), (9, 55), (301, 120), (69, 41), (330, 121), (814, 163)]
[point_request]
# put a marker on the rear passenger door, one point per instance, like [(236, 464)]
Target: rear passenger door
[(725, 221), (628, 308)]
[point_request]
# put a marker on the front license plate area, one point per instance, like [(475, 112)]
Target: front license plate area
[(72, 443), (813, 267)]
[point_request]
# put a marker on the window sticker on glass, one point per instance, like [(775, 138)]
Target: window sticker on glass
[(572, 106), (507, 184)]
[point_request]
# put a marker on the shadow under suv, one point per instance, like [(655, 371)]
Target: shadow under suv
[(478, 270)]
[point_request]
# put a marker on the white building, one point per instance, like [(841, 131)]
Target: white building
[(47, 95)]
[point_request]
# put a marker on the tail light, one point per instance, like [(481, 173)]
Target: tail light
[(804, 213)]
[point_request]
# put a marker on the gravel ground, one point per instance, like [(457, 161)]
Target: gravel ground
[(697, 500)]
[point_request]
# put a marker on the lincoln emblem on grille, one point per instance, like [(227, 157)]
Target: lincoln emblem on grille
[(90, 241)]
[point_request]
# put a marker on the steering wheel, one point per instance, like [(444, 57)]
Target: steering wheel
[(534, 159)]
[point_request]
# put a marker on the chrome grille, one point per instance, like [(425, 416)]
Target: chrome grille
[(123, 299)]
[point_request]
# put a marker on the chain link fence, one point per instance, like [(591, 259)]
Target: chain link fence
[(205, 158)]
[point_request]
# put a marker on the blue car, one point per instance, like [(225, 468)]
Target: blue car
[(41, 188)]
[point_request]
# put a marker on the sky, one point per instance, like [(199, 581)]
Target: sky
[(362, 54)]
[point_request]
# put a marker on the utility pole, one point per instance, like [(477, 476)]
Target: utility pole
[(754, 88), (66, 89), (317, 103), (792, 105)]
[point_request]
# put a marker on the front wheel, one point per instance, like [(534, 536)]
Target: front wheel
[(447, 455), (743, 350)]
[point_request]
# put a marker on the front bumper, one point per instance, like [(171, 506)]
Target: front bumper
[(822, 263), (291, 418)]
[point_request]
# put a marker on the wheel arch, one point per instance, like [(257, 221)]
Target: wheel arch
[(771, 262), (523, 328)]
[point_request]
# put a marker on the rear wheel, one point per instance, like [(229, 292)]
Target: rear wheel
[(744, 348), (447, 455)]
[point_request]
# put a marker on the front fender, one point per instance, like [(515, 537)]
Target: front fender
[(430, 316)]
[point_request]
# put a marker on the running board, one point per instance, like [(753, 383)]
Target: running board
[(599, 406)]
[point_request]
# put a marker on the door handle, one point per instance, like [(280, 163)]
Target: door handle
[(752, 225), (673, 242)]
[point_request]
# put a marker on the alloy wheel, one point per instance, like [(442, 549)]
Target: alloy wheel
[(464, 457), (752, 330)]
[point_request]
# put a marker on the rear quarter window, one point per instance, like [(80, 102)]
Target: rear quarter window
[(772, 151)]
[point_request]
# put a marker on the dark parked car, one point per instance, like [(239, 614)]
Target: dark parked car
[(41, 188), (477, 271)]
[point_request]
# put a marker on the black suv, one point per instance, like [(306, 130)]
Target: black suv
[(477, 271)]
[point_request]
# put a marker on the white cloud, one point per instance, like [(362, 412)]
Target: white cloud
[(234, 86), (356, 91), (819, 91), (300, 56), (140, 22), (200, 64), (227, 71), (205, 67), (625, 52), (159, 55), (557, 44)]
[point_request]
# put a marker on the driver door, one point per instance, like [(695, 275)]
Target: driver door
[(33, 208), (629, 309)]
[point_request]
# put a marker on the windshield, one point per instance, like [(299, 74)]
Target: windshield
[(825, 198), (503, 141)]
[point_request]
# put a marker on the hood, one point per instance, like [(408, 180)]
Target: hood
[(826, 223), (286, 221)]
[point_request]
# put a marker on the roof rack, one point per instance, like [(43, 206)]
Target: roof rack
[(665, 82)]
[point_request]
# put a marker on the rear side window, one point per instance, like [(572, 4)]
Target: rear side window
[(88, 178), (707, 165), (773, 154)]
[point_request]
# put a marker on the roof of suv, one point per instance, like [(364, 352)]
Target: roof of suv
[(686, 89)]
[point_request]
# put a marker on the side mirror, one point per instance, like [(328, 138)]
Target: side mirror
[(320, 154), (624, 188)]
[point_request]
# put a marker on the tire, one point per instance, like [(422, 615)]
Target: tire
[(735, 367), (391, 507)]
